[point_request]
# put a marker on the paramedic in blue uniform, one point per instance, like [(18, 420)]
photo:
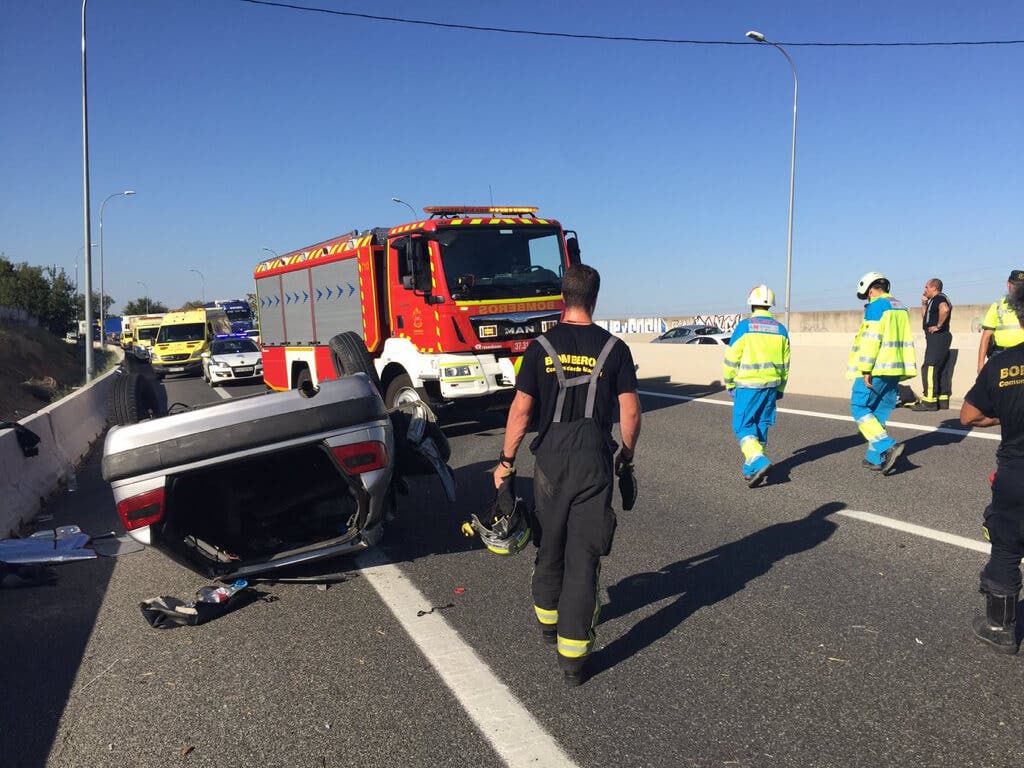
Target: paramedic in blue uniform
[(575, 376)]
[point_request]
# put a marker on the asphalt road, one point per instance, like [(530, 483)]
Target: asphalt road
[(740, 627)]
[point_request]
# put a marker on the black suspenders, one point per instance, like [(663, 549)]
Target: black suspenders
[(577, 381)]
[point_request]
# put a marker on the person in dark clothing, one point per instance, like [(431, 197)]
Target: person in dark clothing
[(935, 315), (997, 397), (575, 375)]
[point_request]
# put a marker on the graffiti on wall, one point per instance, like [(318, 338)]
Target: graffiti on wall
[(634, 325), (725, 322)]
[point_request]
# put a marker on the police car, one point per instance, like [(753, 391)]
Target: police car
[(232, 357)]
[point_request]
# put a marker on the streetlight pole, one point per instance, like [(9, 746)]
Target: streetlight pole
[(270, 250), (78, 255), (145, 290), (89, 364), (203, 279), (760, 38), (402, 202), (103, 309)]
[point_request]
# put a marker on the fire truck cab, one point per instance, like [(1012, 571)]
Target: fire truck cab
[(446, 305)]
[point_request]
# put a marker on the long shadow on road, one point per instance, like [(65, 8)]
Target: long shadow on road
[(45, 626), (703, 580)]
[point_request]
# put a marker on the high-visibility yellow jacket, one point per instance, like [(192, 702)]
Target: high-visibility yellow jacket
[(884, 345), (758, 354), (1003, 323)]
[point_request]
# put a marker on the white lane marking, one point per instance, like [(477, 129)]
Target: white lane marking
[(515, 734), (919, 530), (222, 392), (834, 416)]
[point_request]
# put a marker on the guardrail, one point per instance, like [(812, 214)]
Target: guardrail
[(66, 429)]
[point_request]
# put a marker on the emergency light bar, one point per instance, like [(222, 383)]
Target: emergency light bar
[(503, 210)]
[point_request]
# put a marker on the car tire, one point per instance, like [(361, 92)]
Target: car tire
[(132, 398), (349, 354)]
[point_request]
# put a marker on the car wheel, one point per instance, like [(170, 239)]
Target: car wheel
[(132, 398), (349, 354)]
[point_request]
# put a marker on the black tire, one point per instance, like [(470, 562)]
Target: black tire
[(132, 399), (350, 356), (395, 386), (304, 379)]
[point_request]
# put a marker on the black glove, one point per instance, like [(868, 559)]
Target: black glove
[(627, 481)]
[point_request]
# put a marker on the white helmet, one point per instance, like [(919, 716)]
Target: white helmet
[(761, 296), (868, 280)]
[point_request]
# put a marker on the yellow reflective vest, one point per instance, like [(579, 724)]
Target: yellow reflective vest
[(1003, 323), (884, 345), (758, 354)]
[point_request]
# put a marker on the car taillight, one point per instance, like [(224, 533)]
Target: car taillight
[(361, 457), (144, 509)]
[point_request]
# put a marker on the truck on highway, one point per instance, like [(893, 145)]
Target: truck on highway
[(239, 313), (446, 305)]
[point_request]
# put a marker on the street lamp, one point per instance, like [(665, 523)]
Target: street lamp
[(103, 309), (270, 250), (145, 291), (760, 38), (402, 202), (89, 367), (193, 269)]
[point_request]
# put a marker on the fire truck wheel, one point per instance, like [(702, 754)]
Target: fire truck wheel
[(304, 379), (401, 390), (350, 356)]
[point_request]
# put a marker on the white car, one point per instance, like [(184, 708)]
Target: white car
[(711, 338), (232, 358)]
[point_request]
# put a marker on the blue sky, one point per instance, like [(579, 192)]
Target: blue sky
[(245, 127)]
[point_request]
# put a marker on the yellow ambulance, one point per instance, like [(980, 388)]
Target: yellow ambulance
[(144, 330), (183, 337)]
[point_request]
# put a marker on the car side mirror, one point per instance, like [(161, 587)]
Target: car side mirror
[(572, 247)]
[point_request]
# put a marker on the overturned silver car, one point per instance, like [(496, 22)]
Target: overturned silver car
[(267, 481)]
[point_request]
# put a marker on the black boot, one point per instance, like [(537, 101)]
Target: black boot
[(998, 628)]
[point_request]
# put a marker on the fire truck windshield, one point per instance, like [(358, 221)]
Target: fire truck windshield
[(502, 262)]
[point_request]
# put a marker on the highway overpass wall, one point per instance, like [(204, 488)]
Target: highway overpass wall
[(818, 365)]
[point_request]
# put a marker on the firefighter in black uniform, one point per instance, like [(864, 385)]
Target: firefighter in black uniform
[(575, 374), (997, 397), (935, 315)]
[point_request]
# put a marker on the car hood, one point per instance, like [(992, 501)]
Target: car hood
[(236, 359)]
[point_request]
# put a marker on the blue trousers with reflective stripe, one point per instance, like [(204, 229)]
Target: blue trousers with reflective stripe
[(878, 402), (753, 412)]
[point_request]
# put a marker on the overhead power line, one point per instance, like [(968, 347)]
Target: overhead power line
[(618, 38)]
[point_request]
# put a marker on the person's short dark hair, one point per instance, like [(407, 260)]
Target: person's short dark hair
[(881, 284), (937, 283), (580, 285)]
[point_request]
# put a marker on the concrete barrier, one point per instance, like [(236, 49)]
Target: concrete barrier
[(818, 365), (66, 431)]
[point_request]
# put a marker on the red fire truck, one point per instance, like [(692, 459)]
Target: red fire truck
[(446, 306)]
